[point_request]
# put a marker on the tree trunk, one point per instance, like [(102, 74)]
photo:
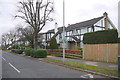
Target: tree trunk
[(35, 40), (32, 44)]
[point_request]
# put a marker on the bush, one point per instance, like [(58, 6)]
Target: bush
[(79, 48), (37, 53), (40, 53), (53, 43), (118, 40), (48, 47), (32, 52), (101, 37), (60, 47), (16, 46), (28, 52), (18, 51)]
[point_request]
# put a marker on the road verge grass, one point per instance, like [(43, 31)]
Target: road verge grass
[(7, 51), (107, 71)]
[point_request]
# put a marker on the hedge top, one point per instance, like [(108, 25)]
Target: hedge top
[(101, 37)]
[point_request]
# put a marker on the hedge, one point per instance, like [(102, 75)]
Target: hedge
[(40, 53), (37, 53), (28, 52), (118, 40), (18, 51), (101, 37)]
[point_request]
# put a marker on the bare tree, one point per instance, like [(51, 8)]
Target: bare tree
[(27, 35), (36, 14), (10, 38), (4, 40)]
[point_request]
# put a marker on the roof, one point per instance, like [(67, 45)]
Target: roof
[(50, 31), (84, 24), (77, 25), (60, 29)]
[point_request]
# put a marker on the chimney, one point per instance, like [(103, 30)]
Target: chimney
[(56, 28), (68, 25), (106, 20)]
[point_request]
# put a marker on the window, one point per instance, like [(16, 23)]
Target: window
[(79, 31), (67, 33), (70, 33), (98, 28), (89, 29), (83, 30)]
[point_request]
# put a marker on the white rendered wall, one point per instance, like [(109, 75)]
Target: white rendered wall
[(56, 30)]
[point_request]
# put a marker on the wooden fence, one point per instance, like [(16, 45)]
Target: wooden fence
[(77, 53), (102, 52)]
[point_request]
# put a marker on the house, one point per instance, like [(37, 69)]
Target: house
[(74, 32)]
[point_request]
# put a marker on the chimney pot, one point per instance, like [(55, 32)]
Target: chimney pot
[(105, 14), (68, 24)]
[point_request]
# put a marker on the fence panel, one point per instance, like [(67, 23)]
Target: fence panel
[(102, 52)]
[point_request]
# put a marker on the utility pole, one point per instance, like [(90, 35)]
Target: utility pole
[(118, 35), (63, 30)]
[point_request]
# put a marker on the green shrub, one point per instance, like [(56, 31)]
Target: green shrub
[(79, 48), (18, 51), (48, 47), (101, 37), (16, 46), (33, 52), (28, 51), (60, 47), (53, 43), (118, 40), (40, 53), (37, 53)]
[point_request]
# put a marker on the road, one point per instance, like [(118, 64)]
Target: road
[(18, 66)]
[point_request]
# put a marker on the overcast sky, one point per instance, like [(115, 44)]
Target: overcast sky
[(75, 11)]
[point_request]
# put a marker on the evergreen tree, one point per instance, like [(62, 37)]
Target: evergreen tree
[(53, 43)]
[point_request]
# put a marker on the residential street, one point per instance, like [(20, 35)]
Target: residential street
[(17, 66)]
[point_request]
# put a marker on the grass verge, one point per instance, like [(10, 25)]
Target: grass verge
[(7, 51), (107, 71)]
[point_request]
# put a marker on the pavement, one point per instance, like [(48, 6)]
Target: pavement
[(101, 64), (18, 66)]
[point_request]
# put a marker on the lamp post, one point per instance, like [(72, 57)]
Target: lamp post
[(119, 35), (63, 30)]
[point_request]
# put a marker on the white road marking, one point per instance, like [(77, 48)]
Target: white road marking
[(4, 59), (87, 76), (14, 67)]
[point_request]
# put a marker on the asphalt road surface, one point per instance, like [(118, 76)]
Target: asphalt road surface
[(18, 66)]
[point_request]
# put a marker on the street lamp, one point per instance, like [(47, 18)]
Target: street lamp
[(63, 30), (119, 34)]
